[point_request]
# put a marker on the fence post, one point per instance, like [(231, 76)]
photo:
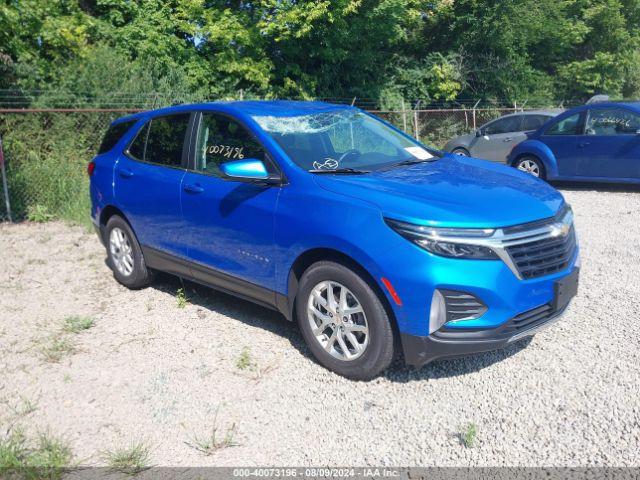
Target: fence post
[(475, 127), (404, 117), (5, 187), (415, 121)]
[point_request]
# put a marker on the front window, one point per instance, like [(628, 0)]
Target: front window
[(341, 139), (221, 139), (568, 126), (504, 125)]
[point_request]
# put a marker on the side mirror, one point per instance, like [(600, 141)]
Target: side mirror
[(478, 133), (248, 170)]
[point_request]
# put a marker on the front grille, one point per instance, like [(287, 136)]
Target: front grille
[(527, 320), (543, 257)]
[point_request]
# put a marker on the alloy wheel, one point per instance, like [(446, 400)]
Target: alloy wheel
[(530, 167), (338, 321), (121, 251)]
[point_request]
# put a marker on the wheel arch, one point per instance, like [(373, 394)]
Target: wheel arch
[(539, 150), (107, 212), (314, 255)]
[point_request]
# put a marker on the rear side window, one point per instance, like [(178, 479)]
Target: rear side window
[(533, 122), (161, 140), (113, 135)]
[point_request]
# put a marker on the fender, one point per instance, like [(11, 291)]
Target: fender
[(539, 150)]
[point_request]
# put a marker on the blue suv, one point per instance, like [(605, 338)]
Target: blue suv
[(372, 242)]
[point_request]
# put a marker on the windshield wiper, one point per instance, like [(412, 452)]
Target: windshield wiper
[(340, 170)]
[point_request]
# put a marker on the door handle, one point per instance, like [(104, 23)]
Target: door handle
[(584, 144), (125, 173), (507, 140), (193, 188)]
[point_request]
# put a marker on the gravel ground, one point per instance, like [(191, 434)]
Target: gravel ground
[(151, 371)]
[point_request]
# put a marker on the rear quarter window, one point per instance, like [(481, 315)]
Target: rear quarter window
[(113, 135)]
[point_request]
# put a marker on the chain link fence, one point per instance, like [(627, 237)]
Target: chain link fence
[(46, 151)]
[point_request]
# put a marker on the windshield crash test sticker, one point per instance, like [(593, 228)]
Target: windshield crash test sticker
[(419, 152)]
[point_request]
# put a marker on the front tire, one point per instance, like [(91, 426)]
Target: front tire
[(343, 321), (124, 255), (463, 152), (531, 165)]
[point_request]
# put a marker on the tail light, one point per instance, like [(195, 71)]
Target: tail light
[(90, 168)]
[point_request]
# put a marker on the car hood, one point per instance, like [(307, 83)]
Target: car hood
[(452, 191)]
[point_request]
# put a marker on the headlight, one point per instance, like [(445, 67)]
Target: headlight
[(447, 242)]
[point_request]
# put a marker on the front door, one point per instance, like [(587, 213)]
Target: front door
[(147, 182), (229, 225), (498, 138), (562, 138), (610, 147)]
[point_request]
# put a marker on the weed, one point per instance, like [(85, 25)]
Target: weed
[(38, 213), (48, 459), (66, 378), (76, 324), (129, 460), (212, 442), (468, 435), (56, 348), (244, 360), (25, 407), (181, 298)]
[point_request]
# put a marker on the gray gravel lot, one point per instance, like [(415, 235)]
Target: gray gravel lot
[(151, 371)]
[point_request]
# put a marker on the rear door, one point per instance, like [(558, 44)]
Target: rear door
[(229, 224), (147, 182), (562, 138), (498, 138), (610, 147)]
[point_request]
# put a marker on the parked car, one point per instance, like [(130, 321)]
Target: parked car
[(340, 222), (494, 140), (595, 142)]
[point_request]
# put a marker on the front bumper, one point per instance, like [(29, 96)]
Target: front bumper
[(419, 351)]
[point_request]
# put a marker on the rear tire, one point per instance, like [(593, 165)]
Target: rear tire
[(531, 165), (343, 322), (124, 255)]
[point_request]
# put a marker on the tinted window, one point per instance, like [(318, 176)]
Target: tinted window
[(222, 139), (504, 125), (612, 121), (533, 122), (114, 134), (568, 126), (161, 140)]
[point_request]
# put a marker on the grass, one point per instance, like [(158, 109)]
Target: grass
[(49, 458), (56, 348), (468, 435), (181, 298), (212, 442), (25, 407), (39, 213), (76, 324), (129, 460), (244, 361)]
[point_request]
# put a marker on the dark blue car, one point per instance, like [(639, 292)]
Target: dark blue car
[(597, 142), (341, 222)]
